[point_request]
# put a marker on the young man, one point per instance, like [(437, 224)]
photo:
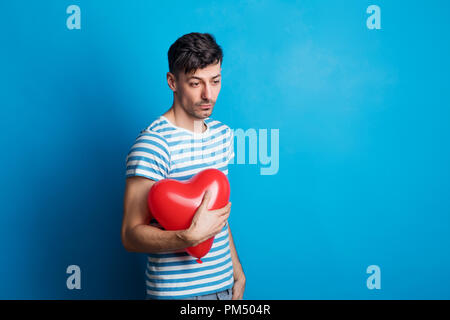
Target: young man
[(178, 145)]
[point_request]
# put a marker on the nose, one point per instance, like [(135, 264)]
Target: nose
[(206, 92)]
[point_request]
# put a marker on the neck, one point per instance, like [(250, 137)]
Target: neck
[(180, 118)]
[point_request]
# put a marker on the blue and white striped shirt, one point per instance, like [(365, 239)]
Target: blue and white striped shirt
[(161, 151)]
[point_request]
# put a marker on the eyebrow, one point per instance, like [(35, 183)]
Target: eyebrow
[(194, 77)]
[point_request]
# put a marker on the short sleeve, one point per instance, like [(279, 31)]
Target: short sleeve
[(230, 145), (149, 157)]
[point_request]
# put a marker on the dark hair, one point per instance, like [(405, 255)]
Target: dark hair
[(193, 51)]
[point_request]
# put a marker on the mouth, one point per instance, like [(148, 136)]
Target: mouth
[(205, 106)]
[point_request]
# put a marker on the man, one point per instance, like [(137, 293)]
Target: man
[(178, 145)]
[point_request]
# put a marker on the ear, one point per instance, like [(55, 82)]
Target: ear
[(171, 81)]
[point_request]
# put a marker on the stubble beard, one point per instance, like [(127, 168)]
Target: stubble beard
[(200, 114)]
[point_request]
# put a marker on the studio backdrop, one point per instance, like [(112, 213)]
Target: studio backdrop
[(341, 181)]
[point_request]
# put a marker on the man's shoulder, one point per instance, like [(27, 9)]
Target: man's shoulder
[(155, 128), (153, 134)]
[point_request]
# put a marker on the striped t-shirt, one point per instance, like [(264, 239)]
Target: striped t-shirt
[(161, 151)]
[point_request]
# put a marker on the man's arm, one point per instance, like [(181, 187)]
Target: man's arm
[(238, 272), (138, 236)]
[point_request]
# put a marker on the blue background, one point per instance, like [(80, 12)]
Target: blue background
[(364, 154)]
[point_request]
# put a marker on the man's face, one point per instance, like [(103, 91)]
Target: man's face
[(197, 92)]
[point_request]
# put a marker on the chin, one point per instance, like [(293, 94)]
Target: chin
[(204, 114)]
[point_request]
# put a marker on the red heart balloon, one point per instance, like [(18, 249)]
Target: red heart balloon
[(173, 203)]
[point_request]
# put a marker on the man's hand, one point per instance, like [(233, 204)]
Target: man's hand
[(238, 286), (206, 223)]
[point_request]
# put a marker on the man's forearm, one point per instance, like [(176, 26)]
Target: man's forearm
[(237, 267), (149, 239)]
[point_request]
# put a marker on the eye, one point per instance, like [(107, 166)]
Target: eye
[(194, 84), (216, 81)]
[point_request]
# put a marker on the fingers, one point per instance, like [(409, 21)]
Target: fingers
[(220, 227), (224, 217), (206, 198), (226, 210), (222, 214), (223, 211)]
